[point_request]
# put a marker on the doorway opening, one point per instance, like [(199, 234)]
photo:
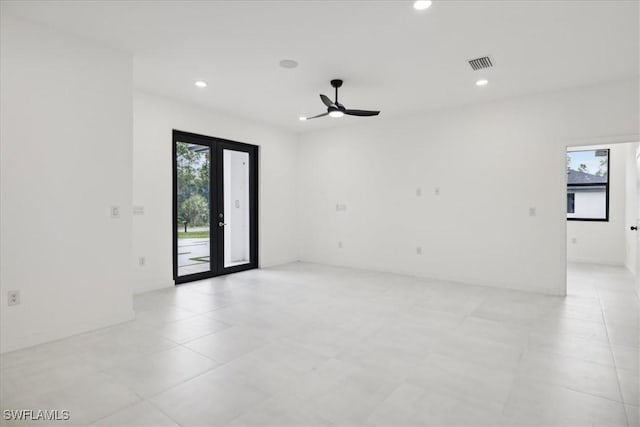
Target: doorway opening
[(602, 215), (215, 206)]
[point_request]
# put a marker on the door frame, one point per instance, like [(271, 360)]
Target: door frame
[(216, 204), (566, 144)]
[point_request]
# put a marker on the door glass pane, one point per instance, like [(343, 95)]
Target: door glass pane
[(193, 170), (236, 207)]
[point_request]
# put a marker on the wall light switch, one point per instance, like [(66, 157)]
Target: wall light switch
[(532, 211), (419, 250), (115, 211), (419, 192), (340, 244), (142, 261), (574, 240), (13, 298), (437, 191)]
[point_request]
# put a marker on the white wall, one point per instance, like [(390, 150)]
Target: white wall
[(154, 119), (603, 242), (491, 164), (66, 139), (631, 205)]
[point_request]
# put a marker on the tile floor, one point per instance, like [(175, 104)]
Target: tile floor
[(306, 344)]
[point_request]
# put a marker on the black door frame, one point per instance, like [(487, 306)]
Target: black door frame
[(216, 204)]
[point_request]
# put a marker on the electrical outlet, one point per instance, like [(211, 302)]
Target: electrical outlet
[(142, 261), (532, 212), (574, 240), (341, 207), (115, 211), (437, 191), (13, 298), (419, 250), (419, 192)]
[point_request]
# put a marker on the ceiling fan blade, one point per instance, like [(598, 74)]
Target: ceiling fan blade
[(361, 113), (319, 115), (326, 101)]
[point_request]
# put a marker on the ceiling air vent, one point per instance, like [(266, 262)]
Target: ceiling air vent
[(481, 63)]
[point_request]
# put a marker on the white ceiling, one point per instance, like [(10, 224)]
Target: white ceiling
[(391, 57)]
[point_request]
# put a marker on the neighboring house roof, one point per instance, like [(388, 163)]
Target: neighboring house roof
[(577, 177)]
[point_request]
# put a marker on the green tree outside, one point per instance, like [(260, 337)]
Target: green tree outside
[(193, 171)]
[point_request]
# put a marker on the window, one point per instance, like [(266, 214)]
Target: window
[(588, 185), (571, 202)]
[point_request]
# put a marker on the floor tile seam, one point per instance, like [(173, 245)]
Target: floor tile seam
[(570, 388), (158, 408), (578, 358), (606, 327), (129, 406)]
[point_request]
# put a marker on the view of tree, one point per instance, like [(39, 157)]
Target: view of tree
[(193, 185), (602, 170), (593, 162), (195, 211)]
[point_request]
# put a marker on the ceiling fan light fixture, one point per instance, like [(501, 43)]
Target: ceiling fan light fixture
[(422, 4), (337, 110)]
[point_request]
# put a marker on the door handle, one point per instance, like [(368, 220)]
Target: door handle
[(222, 224), (634, 228)]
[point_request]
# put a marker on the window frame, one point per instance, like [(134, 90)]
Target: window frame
[(606, 187)]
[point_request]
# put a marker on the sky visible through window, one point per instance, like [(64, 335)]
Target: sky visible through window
[(592, 161)]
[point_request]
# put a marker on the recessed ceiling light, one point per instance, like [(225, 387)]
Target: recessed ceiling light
[(336, 113), (482, 82), (302, 118), (288, 63), (201, 83), (422, 4)]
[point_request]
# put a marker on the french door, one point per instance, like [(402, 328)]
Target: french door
[(215, 206)]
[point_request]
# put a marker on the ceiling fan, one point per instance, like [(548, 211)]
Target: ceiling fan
[(335, 109)]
